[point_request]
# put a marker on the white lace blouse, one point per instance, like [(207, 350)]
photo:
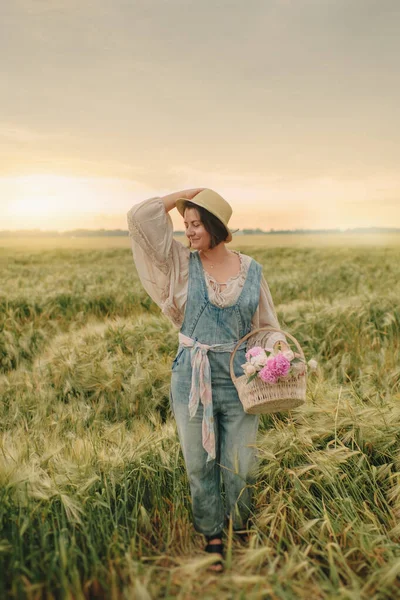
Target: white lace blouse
[(162, 264)]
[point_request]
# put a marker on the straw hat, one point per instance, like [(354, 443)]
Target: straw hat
[(214, 203)]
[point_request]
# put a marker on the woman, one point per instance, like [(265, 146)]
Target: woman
[(215, 296)]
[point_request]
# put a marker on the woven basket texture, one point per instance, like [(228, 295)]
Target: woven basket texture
[(259, 397)]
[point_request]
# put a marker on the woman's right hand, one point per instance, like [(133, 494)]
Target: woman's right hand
[(190, 194), (170, 200)]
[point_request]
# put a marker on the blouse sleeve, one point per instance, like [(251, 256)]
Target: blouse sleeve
[(162, 263), (266, 315)]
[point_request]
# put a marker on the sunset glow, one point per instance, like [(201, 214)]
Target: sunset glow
[(281, 111)]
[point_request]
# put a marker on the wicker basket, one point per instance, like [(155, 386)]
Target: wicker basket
[(259, 397)]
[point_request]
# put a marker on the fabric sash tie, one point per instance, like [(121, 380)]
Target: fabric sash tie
[(201, 386)]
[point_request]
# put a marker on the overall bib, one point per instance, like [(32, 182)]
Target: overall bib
[(216, 435)]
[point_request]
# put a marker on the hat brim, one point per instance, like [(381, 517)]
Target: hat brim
[(180, 205)]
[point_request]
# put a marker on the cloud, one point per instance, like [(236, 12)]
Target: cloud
[(56, 201), (17, 133), (303, 202), (286, 107)]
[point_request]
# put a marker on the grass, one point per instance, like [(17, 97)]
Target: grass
[(94, 500), (34, 244)]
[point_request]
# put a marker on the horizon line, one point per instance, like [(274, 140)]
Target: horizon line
[(245, 231)]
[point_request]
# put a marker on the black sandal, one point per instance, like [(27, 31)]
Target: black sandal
[(215, 549)]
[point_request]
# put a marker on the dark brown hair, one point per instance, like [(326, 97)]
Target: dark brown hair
[(212, 224)]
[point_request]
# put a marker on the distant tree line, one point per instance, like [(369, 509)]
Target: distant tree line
[(123, 233), (72, 233)]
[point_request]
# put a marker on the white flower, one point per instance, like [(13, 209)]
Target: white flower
[(312, 363), (289, 354), (298, 368), (259, 360), (249, 369)]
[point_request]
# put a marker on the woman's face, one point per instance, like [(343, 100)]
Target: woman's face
[(194, 229)]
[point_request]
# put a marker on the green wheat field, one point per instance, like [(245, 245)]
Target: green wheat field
[(94, 499)]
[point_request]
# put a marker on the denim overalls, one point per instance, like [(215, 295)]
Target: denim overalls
[(216, 435)]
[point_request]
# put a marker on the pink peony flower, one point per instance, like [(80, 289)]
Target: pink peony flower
[(282, 365), (276, 367), (267, 375), (254, 352)]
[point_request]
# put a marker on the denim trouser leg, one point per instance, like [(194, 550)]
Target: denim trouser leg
[(204, 478), (238, 433)]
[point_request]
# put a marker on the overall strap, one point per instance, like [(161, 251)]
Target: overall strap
[(197, 297), (250, 296)]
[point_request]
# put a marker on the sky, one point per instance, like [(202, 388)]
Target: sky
[(287, 108)]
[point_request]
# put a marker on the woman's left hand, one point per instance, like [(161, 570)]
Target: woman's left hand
[(280, 345)]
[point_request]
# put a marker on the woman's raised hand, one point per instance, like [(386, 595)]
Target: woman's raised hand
[(170, 199), (190, 194)]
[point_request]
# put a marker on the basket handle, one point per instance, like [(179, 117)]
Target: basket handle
[(253, 332)]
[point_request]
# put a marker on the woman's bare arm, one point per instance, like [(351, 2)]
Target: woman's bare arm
[(170, 199)]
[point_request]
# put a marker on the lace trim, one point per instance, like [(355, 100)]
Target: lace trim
[(242, 272), (137, 234), (223, 294)]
